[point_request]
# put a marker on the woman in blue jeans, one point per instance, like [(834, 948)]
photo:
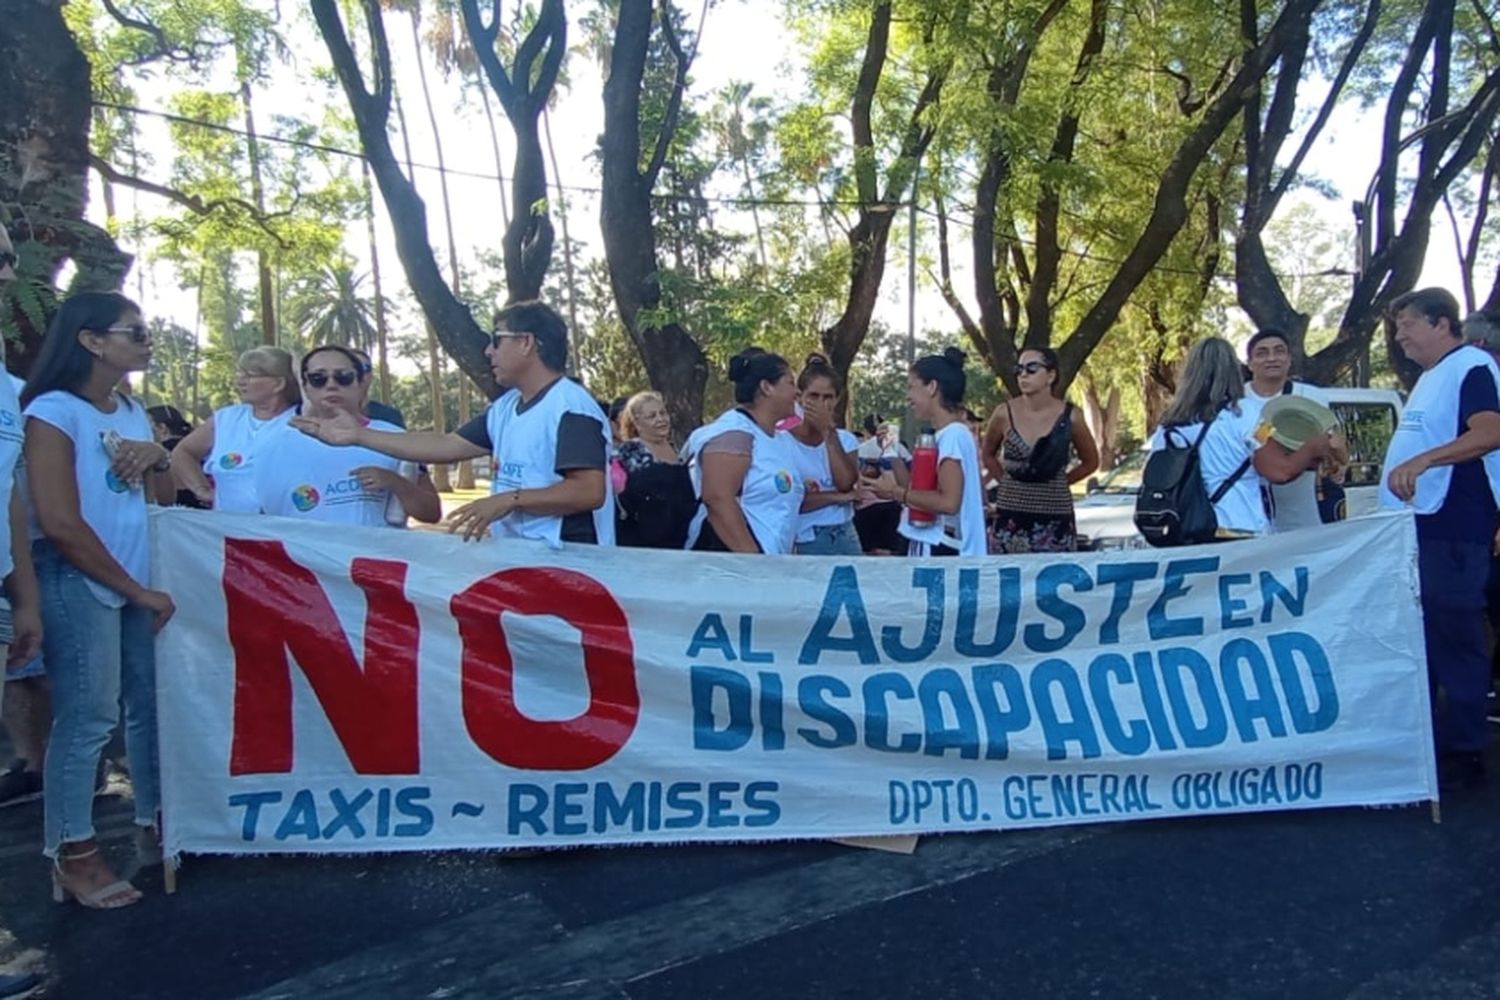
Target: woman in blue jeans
[(827, 463), (91, 463)]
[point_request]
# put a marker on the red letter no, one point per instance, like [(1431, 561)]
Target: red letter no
[(489, 692), (276, 606)]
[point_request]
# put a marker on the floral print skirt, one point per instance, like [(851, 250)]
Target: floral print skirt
[(1016, 532)]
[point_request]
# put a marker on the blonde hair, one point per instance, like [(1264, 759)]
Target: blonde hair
[(628, 429), (1210, 381), (273, 362)]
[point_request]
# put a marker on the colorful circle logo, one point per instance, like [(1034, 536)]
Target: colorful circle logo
[(783, 481), (231, 460), (115, 483), (305, 497)]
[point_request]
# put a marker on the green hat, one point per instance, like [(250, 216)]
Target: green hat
[(1295, 419)]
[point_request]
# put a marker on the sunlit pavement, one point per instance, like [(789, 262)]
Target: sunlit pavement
[(1375, 904)]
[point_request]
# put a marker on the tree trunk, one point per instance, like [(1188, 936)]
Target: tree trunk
[(454, 326), (675, 364), (45, 116), (258, 196), (870, 235), (438, 412), (1103, 419), (381, 331), (523, 93), (562, 216), (465, 469)]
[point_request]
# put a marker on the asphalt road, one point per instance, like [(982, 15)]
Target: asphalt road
[(1345, 903)]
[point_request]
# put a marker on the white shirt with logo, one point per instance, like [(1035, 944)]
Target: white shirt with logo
[(963, 531), (300, 477), (115, 509), (523, 440), (1295, 503), (231, 463), (771, 496), (1430, 420), (816, 473)]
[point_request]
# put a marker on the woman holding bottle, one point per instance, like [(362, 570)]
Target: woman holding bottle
[(946, 516)]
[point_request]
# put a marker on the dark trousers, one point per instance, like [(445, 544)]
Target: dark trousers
[(1454, 577)]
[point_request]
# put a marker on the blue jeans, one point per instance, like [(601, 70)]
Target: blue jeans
[(98, 659), (832, 540)]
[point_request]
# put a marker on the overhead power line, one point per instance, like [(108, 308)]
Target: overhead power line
[(354, 154)]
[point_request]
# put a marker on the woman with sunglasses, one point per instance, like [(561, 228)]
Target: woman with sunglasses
[(743, 468), (935, 392), (1028, 450), (301, 477), (224, 445), (91, 465)]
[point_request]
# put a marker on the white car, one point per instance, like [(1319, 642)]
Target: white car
[(1106, 514)]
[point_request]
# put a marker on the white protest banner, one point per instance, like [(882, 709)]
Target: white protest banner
[(333, 689)]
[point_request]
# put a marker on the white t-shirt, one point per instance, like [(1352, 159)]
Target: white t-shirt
[(964, 530), (816, 473), (523, 440), (771, 496), (873, 451), (1296, 502), (298, 476), (116, 510), (12, 435), (231, 463), (1229, 442)]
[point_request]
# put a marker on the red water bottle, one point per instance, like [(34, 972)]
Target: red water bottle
[(924, 463)]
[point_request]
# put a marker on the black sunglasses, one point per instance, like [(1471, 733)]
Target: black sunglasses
[(135, 331), (343, 377), (500, 335), (8, 259), (1030, 368)]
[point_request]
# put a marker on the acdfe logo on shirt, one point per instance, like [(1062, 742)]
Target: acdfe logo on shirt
[(783, 481), (512, 470), (231, 460), (305, 497), (810, 486)]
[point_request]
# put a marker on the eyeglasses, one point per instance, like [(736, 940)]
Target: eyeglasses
[(343, 377), (1030, 368), (135, 331), (500, 335), (242, 373), (8, 259)]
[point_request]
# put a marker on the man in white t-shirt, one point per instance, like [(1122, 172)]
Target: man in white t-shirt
[(547, 436), (1269, 358)]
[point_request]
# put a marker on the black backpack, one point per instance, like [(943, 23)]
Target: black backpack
[(1174, 507)]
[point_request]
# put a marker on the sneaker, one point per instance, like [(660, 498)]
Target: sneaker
[(18, 785)]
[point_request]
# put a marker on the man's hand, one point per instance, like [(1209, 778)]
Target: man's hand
[(341, 429), (473, 520), (27, 622), (1403, 478)]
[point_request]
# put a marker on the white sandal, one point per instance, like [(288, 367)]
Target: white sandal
[(99, 899)]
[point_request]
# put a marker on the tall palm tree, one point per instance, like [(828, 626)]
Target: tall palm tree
[(330, 307)]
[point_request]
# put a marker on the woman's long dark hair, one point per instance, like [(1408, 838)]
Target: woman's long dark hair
[(63, 363)]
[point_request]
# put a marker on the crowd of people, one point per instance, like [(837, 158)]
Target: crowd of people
[(81, 459)]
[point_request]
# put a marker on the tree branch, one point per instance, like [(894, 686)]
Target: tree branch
[(482, 39), (191, 202), (674, 103)]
